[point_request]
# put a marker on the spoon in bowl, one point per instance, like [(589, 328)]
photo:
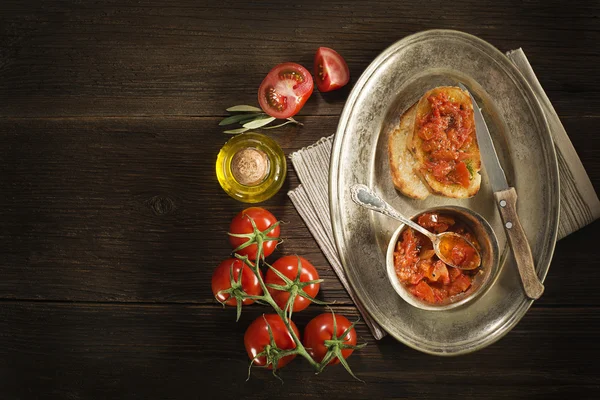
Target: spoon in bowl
[(443, 243)]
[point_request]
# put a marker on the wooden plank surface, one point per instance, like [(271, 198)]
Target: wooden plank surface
[(178, 351), (68, 58), (112, 218), (114, 209)]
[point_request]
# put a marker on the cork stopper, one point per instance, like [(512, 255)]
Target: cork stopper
[(250, 166)]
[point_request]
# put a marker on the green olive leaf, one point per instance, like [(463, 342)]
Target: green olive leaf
[(257, 123), (252, 117), (244, 108)]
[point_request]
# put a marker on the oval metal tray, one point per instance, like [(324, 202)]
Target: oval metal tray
[(394, 81)]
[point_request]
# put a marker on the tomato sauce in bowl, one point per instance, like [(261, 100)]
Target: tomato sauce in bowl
[(419, 269)]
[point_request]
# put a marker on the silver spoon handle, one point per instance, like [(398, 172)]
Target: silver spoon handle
[(367, 198)]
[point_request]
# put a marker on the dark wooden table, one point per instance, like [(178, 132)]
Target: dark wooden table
[(112, 219)]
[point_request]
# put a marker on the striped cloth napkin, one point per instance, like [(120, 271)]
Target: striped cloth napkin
[(579, 204)]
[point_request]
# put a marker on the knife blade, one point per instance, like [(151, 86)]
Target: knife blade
[(506, 201)]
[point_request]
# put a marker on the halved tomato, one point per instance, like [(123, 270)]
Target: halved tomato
[(284, 90), (331, 70)]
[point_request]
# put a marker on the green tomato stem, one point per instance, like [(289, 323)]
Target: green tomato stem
[(267, 298), (334, 345)]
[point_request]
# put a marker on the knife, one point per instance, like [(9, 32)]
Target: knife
[(506, 201)]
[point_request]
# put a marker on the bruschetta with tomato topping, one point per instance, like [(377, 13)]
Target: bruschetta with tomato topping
[(440, 151)]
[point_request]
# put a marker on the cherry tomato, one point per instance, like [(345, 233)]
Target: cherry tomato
[(331, 70), (284, 90), (288, 266), (241, 224), (320, 329), (257, 337), (221, 280)]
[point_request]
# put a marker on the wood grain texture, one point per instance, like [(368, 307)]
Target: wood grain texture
[(60, 58), (127, 210), (80, 351), (113, 209)]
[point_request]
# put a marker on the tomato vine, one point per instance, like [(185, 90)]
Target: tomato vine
[(271, 352)]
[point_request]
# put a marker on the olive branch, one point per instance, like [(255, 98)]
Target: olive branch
[(250, 117)]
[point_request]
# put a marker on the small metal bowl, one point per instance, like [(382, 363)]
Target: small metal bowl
[(488, 271)]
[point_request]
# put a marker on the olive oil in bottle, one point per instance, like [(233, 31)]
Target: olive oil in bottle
[(251, 167)]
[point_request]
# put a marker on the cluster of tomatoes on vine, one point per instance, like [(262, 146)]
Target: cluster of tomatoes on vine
[(290, 285)]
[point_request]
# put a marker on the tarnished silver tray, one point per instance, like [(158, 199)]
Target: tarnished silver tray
[(394, 81)]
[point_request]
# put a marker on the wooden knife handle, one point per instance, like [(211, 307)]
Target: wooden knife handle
[(506, 200)]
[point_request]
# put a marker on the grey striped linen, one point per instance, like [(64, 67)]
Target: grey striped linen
[(579, 204)]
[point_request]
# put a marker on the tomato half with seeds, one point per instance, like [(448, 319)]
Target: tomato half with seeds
[(288, 266), (320, 329), (257, 337), (241, 225), (284, 90), (221, 280), (331, 70)]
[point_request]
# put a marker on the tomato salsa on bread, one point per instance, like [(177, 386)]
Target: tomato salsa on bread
[(435, 150)]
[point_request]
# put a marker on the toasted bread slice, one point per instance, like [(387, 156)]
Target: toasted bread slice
[(402, 162), (469, 154)]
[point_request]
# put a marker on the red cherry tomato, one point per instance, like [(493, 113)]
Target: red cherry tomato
[(331, 70), (241, 224), (221, 280), (284, 90), (288, 266), (320, 329), (257, 337)]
